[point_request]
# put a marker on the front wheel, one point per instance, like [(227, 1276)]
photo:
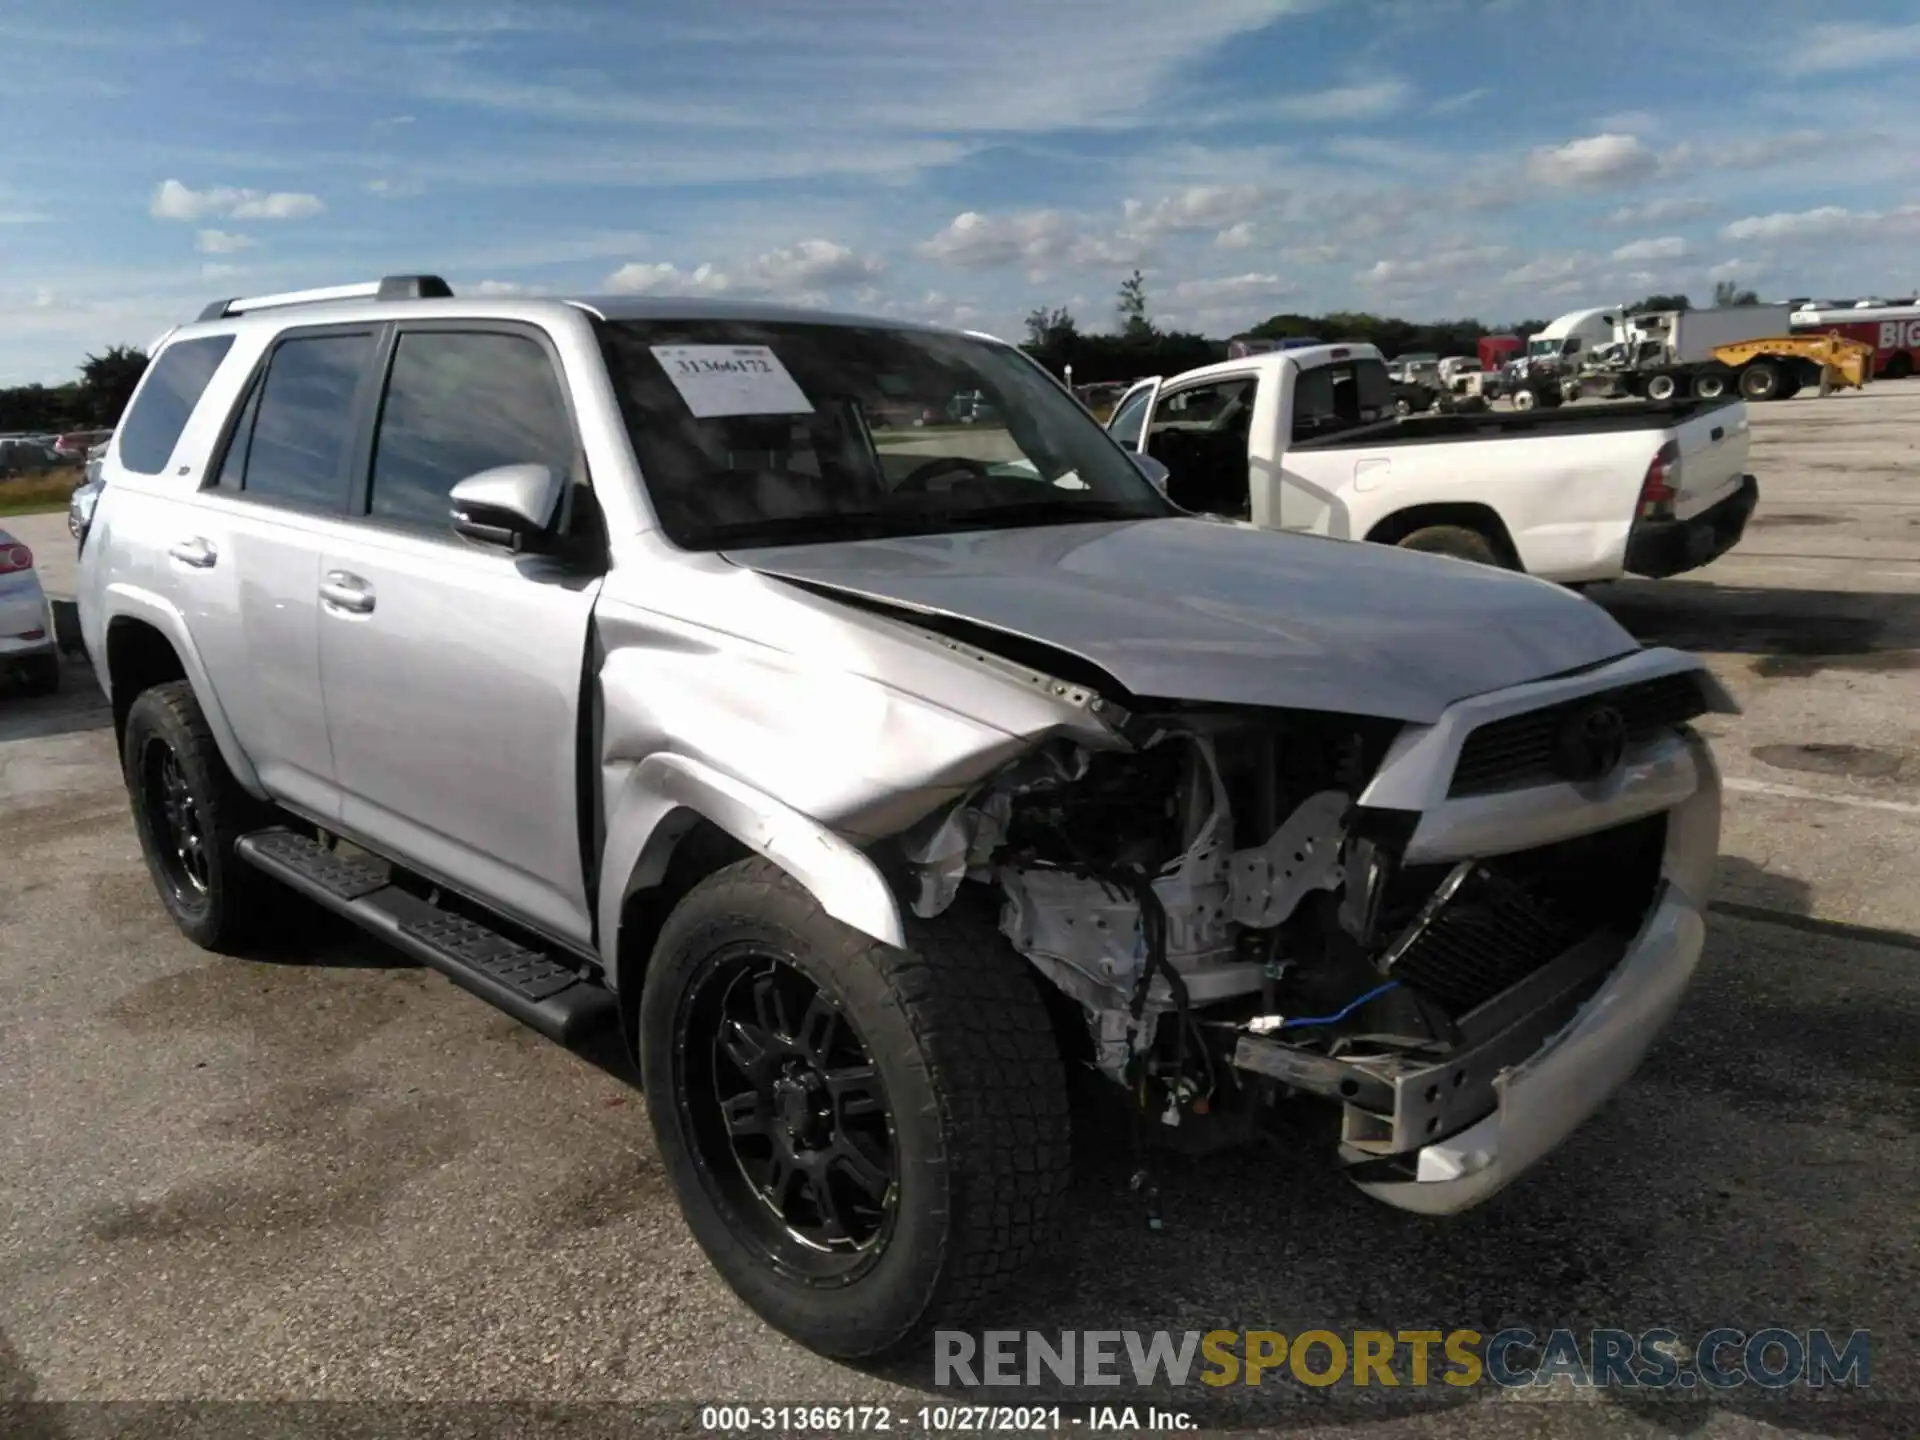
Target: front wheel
[(867, 1142), (189, 810)]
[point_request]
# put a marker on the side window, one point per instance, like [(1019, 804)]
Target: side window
[(178, 379), (458, 403), (1219, 405), (302, 429), (1126, 421), (1327, 398), (233, 465), (1200, 434)]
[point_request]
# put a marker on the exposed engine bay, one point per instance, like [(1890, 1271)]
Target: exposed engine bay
[(1236, 928)]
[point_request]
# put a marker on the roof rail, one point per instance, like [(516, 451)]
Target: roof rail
[(389, 287)]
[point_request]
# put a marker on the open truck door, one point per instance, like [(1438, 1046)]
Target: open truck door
[(1128, 423)]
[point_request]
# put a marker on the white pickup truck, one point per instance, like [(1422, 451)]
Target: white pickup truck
[(1307, 440)]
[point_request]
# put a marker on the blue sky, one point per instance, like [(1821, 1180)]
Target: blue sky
[(962, 163)]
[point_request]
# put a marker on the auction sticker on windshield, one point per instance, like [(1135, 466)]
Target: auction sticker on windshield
[(722, 380)]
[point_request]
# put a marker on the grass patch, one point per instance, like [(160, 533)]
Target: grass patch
[(36, 494)]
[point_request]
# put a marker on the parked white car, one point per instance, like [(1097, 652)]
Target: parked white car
[(27, 650), (1305, 440)]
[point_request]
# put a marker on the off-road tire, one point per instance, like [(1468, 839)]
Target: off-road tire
[(232, 909), (40, 675), (957, 1027), (1456, 540)]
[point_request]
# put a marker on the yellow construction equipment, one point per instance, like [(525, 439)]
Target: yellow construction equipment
[(1843, 363)]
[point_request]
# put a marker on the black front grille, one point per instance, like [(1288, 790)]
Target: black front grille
[(1491, 935), (1518, 751), (1515, 913)]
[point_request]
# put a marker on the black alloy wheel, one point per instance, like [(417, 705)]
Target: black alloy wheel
[(788, 1120), (179, 832)]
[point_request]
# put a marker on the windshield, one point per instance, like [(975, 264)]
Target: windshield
[(1537, 346), (774, 433)]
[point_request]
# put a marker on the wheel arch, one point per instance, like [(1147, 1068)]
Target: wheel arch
[(1394, 528), (674, 821), (146, 643)]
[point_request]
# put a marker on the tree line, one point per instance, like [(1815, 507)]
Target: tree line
[(93, 402), (1136, 346)]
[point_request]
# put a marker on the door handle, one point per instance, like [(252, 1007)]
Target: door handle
[(195, 550), (342, 591)]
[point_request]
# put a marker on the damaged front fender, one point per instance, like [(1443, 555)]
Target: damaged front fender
[(666, 794)]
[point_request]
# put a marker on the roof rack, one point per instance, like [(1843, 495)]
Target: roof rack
[(389, 287)]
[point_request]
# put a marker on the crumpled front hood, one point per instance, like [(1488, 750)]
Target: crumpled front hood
[(1202, 610)]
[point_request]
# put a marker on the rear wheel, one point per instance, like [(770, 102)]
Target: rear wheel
[(1661, 387), (1789, 386), (1523, 399), (1710, 386), (1760, 381), (867, 1142), (188, 811), (1459, 541)]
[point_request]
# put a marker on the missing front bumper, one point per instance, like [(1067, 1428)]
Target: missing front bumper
[(1541, 1101)]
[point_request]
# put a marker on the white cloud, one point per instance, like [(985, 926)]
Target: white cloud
[(1555, 272), (1818, 224), (280, 205), (1654, 212), (812, 265), (1369, 100), (222, 242), (501, 288), (1229, 289), (173, 200), (216, 270), (1766, 152), (1596, 160), (43, 299), (1629, 122), (1040, 240), (663, 278), (1439, 264), (1454, 104), (1238, 236), (1735, 269), (1849, 45), (1199, 207), (1663, 247)]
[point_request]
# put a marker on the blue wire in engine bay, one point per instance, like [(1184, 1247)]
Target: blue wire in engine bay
[(1344, 1011)]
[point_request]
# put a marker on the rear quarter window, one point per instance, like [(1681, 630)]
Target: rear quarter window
[(172, 387)]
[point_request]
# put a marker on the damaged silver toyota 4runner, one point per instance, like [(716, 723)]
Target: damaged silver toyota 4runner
[(871, 759)]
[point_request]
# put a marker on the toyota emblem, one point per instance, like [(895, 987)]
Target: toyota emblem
[(1591, 744)]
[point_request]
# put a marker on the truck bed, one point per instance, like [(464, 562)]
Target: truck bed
[(1517, 424)]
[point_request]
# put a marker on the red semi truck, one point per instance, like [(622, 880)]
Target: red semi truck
[(1892, 329)]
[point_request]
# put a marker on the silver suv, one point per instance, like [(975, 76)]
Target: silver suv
[(603, 655)]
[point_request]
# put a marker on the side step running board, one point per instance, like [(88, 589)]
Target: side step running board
[(529, 985)]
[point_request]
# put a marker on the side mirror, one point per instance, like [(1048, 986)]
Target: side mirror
[(1155, 472), (509, 506)]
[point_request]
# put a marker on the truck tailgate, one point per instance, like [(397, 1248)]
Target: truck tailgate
[(1713, 457)]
